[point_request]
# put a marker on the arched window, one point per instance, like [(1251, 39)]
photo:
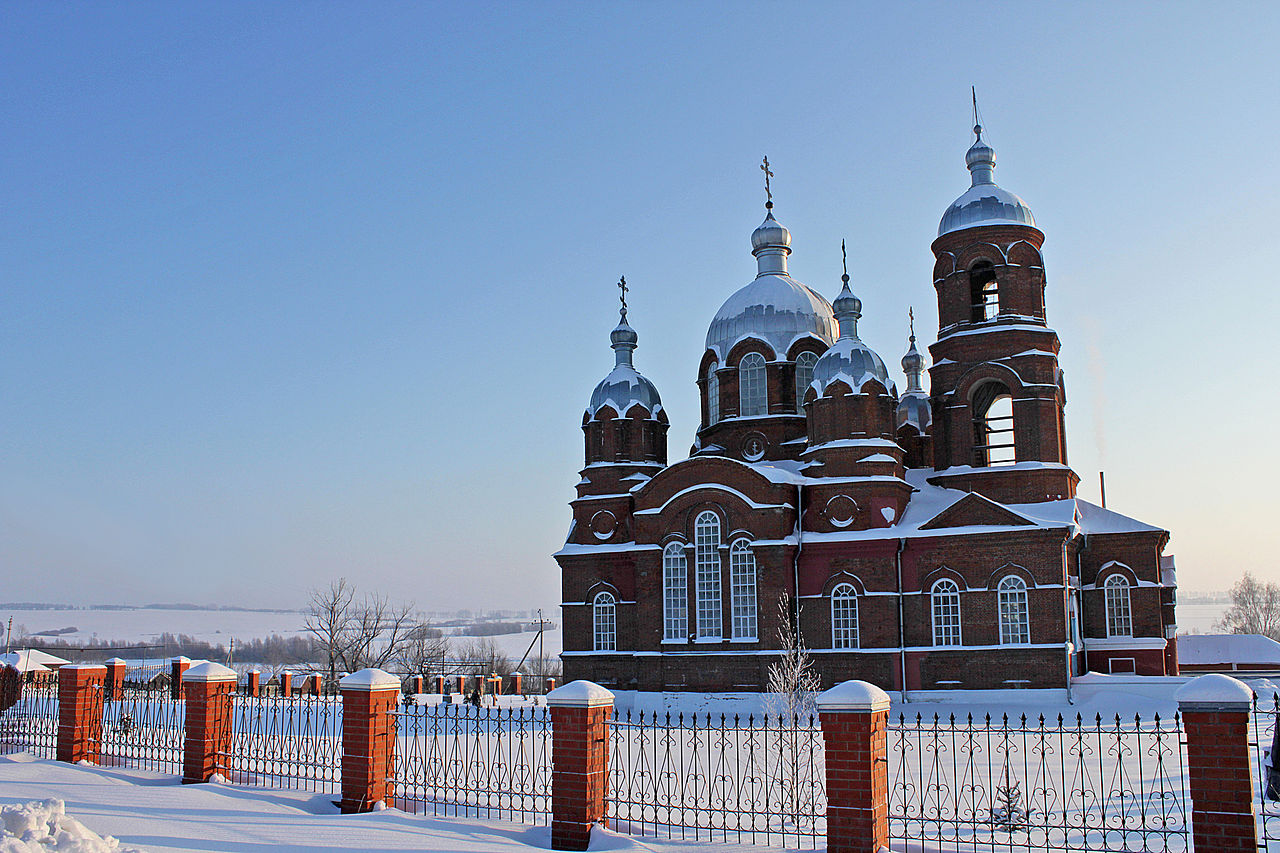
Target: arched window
[(844, 617), (742, 590), (605, 622), (713, 395), (804, 376), (1015, 622), (675, 593), (1119, 617), (752, 399), (706, 558), (992, 425), (946, 613), (984, 293)]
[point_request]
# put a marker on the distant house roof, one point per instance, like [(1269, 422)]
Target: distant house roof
[(32, 660), (1225, 649)]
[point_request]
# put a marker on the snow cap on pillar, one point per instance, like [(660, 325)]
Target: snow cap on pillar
[(209, 671), (1214, 692), (369, 679), (579, 694), (853, 696)]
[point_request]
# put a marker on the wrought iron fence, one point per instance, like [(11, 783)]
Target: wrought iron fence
[(1266, 711), (32, 722), (474, 761), (752, 780), (285, 742), (143, 727), (1017, 784)]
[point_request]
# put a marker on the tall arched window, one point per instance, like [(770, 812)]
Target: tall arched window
[(1119, 616), (1015, 622), (713, 395), (742, 590), (605, 622), (675, 593), (844, 617), (706, 558), (992, 425), (946, 613), (804, 376), (984, 293), (752, 399)]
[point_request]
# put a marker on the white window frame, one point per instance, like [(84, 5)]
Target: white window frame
[(1015, 618), (1119, 606), (844, 617), (675, 593), (706, 561), (804, 376), (604, 622), (753, 393), (945, 606), (713, 395), (742, 590)]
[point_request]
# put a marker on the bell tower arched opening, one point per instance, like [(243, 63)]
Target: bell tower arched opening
[(984, 293), (993, 436)]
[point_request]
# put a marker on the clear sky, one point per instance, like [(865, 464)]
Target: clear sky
[(291, 291)]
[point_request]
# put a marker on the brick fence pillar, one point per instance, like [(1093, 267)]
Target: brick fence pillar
[(580, 713), (516, 679), (10, 686), (114, 682), (80, 712), (368, 739), (1215, 718), (207, 736), (313, 684), (440, 684), (177, 667), (286, 684), (253, 682), (855, 719), (550, 685), (417, 684), (462, 684)]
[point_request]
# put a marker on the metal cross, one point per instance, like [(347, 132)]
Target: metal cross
[(977, 126), (911, 317), (622, 285), (844, 259), (764, 167)]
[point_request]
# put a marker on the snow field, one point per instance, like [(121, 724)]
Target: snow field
[(41, 826)]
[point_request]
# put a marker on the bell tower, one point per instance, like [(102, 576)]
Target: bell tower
[(997, 392)]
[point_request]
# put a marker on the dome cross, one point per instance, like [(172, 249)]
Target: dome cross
[(622, 285), (768, 191)]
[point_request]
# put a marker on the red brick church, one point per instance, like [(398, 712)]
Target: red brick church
[(926, 539)]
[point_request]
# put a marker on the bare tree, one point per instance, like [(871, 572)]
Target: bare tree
[(1255, 608), (793, 687), (425, 646), (792, 679), (484, 657), (331, 616)]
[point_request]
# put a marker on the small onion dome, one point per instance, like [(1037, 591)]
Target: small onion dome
[(913, 408), (849, 359), (774, 307), (624, 387), (984, 203)]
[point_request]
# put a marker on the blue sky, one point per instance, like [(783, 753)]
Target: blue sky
[(294, 291)]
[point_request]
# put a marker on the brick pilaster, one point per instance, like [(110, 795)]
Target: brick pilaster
[(368, 739), (177, 667), (1215, 719), (855, 719), (114, 682), (80, 712), (209, 689), (580, 714)]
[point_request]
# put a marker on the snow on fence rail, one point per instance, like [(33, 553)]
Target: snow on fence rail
[(470, 761), (1000, 785), (747, 780), (285, 742)]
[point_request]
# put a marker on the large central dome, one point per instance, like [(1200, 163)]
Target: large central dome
[(984, 203), (775, 307)]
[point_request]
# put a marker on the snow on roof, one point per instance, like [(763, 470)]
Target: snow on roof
[(32, 660), (1228, 648)]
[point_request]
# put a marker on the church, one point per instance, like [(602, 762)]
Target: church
[(922, 539)]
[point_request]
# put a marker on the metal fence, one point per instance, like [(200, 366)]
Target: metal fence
[(1000, 785), (143, 727), (746, 780), (285, 742), (1266, 752), (474, 761), (32, 723)]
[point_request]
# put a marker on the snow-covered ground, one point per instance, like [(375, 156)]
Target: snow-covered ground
[(159, 814)]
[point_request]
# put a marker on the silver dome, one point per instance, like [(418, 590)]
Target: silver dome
[(914, 409), (984, 203), (774, 307), (624, 387), (849, 359)]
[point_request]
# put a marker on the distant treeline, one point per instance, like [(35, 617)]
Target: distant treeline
[(270, 650), (490, 629)]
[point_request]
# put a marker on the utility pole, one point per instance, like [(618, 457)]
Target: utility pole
[(8, 640)]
